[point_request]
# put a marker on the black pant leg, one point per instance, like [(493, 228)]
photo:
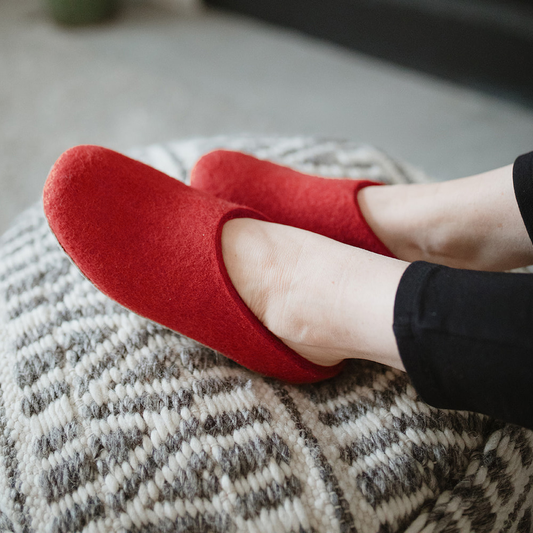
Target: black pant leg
[(523, 188), (466, 339)]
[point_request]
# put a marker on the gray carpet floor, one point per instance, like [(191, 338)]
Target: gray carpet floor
[(154, 75)]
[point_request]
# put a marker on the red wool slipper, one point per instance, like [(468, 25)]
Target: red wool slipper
[(153, 245), (321, 205)]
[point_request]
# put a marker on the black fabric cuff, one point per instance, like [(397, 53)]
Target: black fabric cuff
[(466, 339), (406, 317), (523, 188)]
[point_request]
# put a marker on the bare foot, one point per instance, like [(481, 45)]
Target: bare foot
[(326, 300), (471, 223)]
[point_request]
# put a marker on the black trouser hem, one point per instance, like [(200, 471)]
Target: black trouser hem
[(523, 188), (406, 309), (466, 341)]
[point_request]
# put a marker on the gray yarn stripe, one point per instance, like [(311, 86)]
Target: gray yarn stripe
[(78, 516), (49, 302), (325, 158), (230, 421), (376, 486), (497, 472), (444, 458), (462, 423), (65, 317), (148, 368), (479, 511), (326, 162), (188, 482), (29, 370), (39, 401), (518, 506), (336, 494), (26, 263), (315, 154), (384, 438), (480, 515), (356, 374), (378, 440), (213, 386), (118, 444), (200, 358), (55, 439), (145, 402), (68, 476), (29, 250), (8, 453), (151, 368), (19, 230), (50, 275), (201, 523), (353, 410), (243, 459), (27, 257), (6, 526), (522, 441), (250, 505), (401, 523), (51, 299), (497, 467), (525, 522), (475, 506), (441, 515), (89, 340), (34, 296), (288, 152)]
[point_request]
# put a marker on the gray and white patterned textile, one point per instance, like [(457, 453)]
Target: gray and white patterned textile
[(111, 423)]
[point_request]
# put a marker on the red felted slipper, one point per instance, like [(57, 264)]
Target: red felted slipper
[(321, 205), (153, 245)]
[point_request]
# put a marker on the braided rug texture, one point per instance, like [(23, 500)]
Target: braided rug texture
[(111, 423)]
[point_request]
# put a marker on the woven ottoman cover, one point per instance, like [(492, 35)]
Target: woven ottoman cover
[(111, 423)]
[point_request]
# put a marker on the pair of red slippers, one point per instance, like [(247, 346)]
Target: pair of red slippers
[(153, 244)]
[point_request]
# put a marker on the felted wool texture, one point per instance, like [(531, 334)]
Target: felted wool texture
[(325, 206), (153, 245), (110, 422)]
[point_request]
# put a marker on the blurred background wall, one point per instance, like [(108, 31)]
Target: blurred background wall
[(169, 69), (483, 44)]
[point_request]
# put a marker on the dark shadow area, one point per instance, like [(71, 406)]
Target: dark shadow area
[(483, 44)]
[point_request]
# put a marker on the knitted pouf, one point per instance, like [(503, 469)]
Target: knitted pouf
[(112, 423)]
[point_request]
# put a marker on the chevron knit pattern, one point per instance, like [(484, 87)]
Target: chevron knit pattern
[(110, 423)]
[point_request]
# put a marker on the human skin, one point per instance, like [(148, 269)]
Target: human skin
[(329, 301)]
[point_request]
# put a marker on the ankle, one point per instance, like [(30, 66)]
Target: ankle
[(395, 214), (471, 223)]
